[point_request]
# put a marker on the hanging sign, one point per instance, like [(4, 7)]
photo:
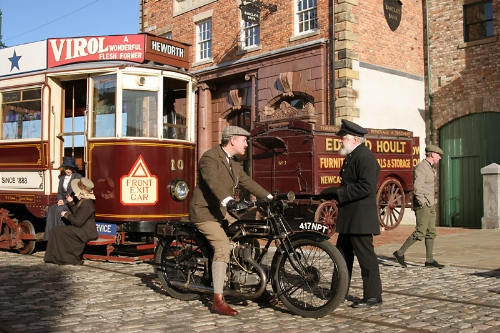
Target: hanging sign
[(392, 12), (250, 13)]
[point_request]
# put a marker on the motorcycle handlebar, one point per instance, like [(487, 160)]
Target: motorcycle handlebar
[(290, 196)]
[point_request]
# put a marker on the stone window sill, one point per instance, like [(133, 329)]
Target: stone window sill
[(305, 35), (249, 49), (478, 42), (202, 62)]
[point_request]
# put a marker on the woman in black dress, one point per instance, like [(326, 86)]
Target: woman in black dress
[(54, 213), (67, 242)]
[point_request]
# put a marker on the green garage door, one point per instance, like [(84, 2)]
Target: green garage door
[(469, 143)]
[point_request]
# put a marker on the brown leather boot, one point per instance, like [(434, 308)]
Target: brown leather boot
[(221, 307)]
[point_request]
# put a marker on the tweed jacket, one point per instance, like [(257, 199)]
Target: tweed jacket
[(61, 193), (423, 184), (83, 216), (358, 211), (217, 180)]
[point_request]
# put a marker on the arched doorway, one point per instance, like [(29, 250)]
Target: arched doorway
[(469, 143)]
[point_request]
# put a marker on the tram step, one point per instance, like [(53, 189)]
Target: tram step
[(103, 240)]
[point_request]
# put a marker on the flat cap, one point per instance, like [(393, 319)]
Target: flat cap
[(230, 131), (433, 149), (348, 127)]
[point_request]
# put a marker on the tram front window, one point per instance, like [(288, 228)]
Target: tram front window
[(104, 106), (21, 114), (174, 110), (140, 113)]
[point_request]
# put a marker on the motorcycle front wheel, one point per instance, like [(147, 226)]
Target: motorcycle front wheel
[(181, 262), (313, 280)]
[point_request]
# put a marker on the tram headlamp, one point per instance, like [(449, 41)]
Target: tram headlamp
[(179, 189), (141, 80)]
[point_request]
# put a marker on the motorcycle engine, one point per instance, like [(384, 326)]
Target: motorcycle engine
[(243, 277)]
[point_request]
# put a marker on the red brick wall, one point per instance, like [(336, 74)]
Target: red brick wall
[(469, 76), (276, 28), (402, 49)]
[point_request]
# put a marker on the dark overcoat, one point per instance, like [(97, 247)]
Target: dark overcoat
[(218, 180), (358, 211), (67, 242)]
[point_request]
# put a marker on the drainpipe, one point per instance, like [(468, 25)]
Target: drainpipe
[(332, 104), (142, 16), (429, 94)]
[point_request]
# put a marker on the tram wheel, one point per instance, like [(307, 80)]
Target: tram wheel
[(327, 213), (28, 245)]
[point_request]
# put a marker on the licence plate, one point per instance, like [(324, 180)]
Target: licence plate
[(314, 226)]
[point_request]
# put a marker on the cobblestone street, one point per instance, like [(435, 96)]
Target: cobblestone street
[(115, 297)]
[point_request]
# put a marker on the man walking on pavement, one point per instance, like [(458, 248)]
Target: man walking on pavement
[(357, 220), (424, 206)]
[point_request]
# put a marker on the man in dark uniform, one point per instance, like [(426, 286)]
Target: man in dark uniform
[(218, 177), (424, 206), (357, 220)]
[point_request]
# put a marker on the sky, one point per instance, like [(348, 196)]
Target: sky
[(26, 21)]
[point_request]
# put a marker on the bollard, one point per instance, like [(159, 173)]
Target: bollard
[(491, 190)]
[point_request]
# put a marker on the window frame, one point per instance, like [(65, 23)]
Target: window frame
[(467, 25), (200, 44), (22, 123), (300, 22), (254, 29)]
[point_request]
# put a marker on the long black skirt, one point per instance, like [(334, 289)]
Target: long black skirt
[(54, 219), (64, 246)]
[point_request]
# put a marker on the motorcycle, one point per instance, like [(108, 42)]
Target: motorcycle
[(307, 273)]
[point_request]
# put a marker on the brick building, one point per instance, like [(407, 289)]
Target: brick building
[(280, 66), (464, 107)]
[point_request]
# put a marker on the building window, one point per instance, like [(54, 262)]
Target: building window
[(478, 21), (307, 16), (240, 119), (204, 40), (250, 35), (22, 114), (167, 35)]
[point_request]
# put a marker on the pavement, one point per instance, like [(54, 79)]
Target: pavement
[(457, 247), (114, 297)]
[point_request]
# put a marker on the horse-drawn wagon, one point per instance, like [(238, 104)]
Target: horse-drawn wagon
[(300, 158)]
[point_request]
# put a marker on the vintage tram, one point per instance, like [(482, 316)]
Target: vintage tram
[(295, 156), (123, 107)]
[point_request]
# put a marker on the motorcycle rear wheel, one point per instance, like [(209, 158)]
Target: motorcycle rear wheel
[(184, 260), (319, 285)]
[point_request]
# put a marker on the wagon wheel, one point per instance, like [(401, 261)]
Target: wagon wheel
[(327, 213), (391, 203), (27, 246)]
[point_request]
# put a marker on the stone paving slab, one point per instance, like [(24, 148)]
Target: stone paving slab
[(115, 297), (472, 248)]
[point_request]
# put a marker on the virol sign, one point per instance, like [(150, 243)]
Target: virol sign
[(63, 51)]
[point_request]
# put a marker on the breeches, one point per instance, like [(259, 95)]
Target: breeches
[(217, 237), (426, 223)]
